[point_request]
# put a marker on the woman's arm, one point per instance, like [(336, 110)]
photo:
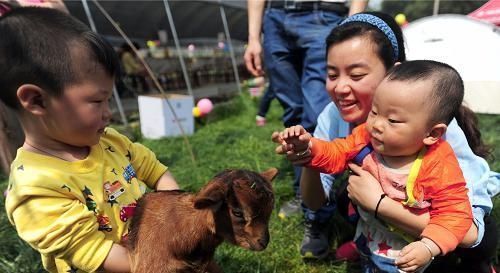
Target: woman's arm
[(357, 6), (477, 175), (365, 191), (311, 189)]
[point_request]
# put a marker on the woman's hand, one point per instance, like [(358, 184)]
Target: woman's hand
[(363, 189)]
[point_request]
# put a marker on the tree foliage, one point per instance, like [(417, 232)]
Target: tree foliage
[(414, 9)]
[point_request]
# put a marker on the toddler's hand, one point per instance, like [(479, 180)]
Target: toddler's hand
[(294, 143), (298, 137), (414, 256)]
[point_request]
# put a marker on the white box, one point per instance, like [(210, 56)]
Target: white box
[(157, 119)]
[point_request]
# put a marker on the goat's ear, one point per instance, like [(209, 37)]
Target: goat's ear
[(270, 174), (212, 195)]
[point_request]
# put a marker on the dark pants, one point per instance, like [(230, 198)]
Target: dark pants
[(265, 102)]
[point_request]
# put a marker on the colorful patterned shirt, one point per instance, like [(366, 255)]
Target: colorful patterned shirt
[(73, 212)]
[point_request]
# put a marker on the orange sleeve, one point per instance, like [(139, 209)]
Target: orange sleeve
[(444, 185), (332, 156)]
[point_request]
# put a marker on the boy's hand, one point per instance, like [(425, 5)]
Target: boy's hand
[(414, 256)]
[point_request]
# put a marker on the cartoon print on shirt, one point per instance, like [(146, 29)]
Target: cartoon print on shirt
[(129, 173), (127, 211), (64, 186), (110, 148), (129, 155), (113, 191), (89, 200), (114, 171), (103, 222)]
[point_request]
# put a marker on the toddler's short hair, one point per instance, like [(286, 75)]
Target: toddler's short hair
[(448, 88), (35, 48)]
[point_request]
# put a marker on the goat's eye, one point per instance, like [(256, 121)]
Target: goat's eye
[(238, 213)]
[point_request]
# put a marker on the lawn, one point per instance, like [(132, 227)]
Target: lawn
[(228, 138)]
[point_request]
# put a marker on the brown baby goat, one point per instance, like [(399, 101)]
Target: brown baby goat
[(173, 231)]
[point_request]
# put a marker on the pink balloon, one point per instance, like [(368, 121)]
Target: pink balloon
[(205, 106)]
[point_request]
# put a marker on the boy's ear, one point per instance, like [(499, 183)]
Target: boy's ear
[(32, 98), (437, 131)]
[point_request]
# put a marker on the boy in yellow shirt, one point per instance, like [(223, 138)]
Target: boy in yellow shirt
[(74, 183)]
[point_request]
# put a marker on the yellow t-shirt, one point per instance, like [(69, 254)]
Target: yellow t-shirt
[(72, 212)]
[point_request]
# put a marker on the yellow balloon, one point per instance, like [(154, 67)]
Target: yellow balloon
[(400, 19), (196, 112)]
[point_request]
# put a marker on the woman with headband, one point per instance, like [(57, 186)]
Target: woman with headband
[(360, 51)]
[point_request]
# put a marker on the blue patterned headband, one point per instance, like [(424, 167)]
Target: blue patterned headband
[(378, 23)]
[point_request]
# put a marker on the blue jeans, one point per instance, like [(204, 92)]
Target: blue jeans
[(295, 59)]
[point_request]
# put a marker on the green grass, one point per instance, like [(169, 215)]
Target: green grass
[(228, 138)]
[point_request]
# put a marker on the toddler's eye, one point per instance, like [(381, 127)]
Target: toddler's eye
[(394, 121), (373, 112)]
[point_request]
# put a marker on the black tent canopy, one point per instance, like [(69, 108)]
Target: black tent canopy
[(143, 19)]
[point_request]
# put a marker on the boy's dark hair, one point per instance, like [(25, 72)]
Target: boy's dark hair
[(35, 49), (446, 97), (384, 49)]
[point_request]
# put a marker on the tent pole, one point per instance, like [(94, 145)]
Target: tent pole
[(115, 92), (178, 47), (230, 45), (435, 9)]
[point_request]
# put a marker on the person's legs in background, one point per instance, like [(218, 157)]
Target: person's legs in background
[(284, 68), (264, 104), (311, 30), (294, 49), (316, 242)]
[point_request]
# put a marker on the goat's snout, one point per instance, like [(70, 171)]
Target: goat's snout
[(261, 243)]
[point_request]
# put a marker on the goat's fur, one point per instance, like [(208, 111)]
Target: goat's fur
[(173, 231)]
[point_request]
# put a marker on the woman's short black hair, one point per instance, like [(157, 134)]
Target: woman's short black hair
[(35, 48), (385, 50)]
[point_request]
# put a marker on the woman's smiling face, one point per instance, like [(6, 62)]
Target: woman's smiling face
[(354, 70)]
